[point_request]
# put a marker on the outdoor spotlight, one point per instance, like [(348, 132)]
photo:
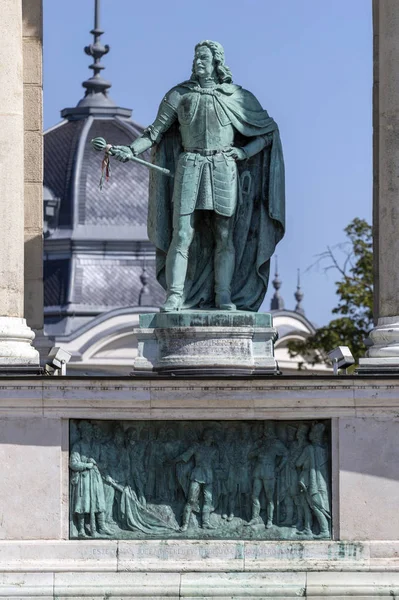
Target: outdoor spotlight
[(57, 361), (341, 358)]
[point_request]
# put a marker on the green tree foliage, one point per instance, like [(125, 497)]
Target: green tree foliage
[(355, 292)]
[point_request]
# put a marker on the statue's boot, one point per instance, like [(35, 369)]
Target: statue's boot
[(255, 513), (269, 524), (173, 302), (186, 518), (223, 301), (224, 270), (102, 528), (206, 514), (81, 526), (175, 271)]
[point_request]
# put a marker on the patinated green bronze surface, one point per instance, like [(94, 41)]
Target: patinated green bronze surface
[(216, 225), (200, 480)]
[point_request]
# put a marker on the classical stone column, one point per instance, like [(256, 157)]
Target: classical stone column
[(16, 351), (383, 355)]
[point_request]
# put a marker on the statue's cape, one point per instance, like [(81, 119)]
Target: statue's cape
[(260, 214)]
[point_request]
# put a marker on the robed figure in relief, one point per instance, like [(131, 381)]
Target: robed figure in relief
[(215, 225)]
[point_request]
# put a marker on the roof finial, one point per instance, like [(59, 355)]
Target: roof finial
[(145, 298), (96, 84), (277, 302), (299, 296)]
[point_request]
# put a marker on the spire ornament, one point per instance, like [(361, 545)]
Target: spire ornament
[(96, 84), (277, 302), (299, 296)]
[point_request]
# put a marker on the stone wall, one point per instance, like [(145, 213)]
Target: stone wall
[(36, 555)]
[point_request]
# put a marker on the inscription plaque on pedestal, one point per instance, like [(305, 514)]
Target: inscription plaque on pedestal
[(264, 480)]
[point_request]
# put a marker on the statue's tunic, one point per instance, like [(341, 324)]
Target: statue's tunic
[(205, 177)]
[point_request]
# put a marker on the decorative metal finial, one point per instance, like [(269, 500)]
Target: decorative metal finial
[(96, 84), (145, 298), (299, 296), (277, 302)]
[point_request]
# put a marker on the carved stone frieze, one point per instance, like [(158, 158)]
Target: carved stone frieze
[(200, 479)]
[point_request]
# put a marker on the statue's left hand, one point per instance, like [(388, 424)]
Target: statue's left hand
[(121, 153), (236, 153)]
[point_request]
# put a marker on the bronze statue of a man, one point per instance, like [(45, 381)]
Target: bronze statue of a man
[(216, 227)]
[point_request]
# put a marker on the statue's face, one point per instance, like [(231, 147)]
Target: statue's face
[(86, 431), (269, 431), (97, 432), (203, 62), (119, 438)]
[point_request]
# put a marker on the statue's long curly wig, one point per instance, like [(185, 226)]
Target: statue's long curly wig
[(222, 70)]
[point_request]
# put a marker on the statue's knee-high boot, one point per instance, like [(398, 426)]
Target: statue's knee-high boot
[(176, 269), (224, 270), (186, 517), (81, 525)]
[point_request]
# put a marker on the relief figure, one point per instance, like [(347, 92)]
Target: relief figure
[(206, 456), (313, 482), (87, 490), (268, 450)]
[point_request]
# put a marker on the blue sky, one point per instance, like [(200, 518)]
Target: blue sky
[(309, 62)]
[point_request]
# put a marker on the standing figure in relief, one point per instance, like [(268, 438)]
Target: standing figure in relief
[(226, 478), (242, 471), (206, 457), (170, 451), (268, 450), (134, 475), (313, 482), (87, 496), (213, 240), (117, 469), (289, 490)]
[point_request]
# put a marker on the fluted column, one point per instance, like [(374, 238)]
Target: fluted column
[(383, 355), (15, 336)]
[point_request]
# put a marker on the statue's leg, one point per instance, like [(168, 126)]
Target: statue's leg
[(206, 509), (81, 525), (176, 261), (323, 523), (224, 260), (307, 516), (269, 485), (289, 508), (193, 497), (256, 490), (109, 493), (102, 528)]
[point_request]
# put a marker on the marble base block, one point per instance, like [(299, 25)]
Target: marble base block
[(383, 354), (206, 342), (17, 355)]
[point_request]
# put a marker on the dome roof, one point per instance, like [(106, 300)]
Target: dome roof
[(96, 251), (72, 172)]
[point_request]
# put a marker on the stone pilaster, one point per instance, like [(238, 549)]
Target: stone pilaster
[(383, 355), (15, 336)]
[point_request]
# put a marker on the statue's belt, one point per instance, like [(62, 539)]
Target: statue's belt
[(205, 152)]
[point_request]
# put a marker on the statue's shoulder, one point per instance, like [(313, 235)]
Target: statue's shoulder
[(246, 97), (174, 95)]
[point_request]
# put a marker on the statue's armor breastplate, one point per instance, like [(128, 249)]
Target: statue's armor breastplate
[(203, 123)]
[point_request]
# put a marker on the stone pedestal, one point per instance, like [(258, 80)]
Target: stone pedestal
[(206, 342)]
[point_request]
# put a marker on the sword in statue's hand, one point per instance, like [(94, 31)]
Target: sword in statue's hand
[(100, 144)]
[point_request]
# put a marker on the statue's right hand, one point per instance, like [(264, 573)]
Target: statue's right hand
[(121, 153)]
